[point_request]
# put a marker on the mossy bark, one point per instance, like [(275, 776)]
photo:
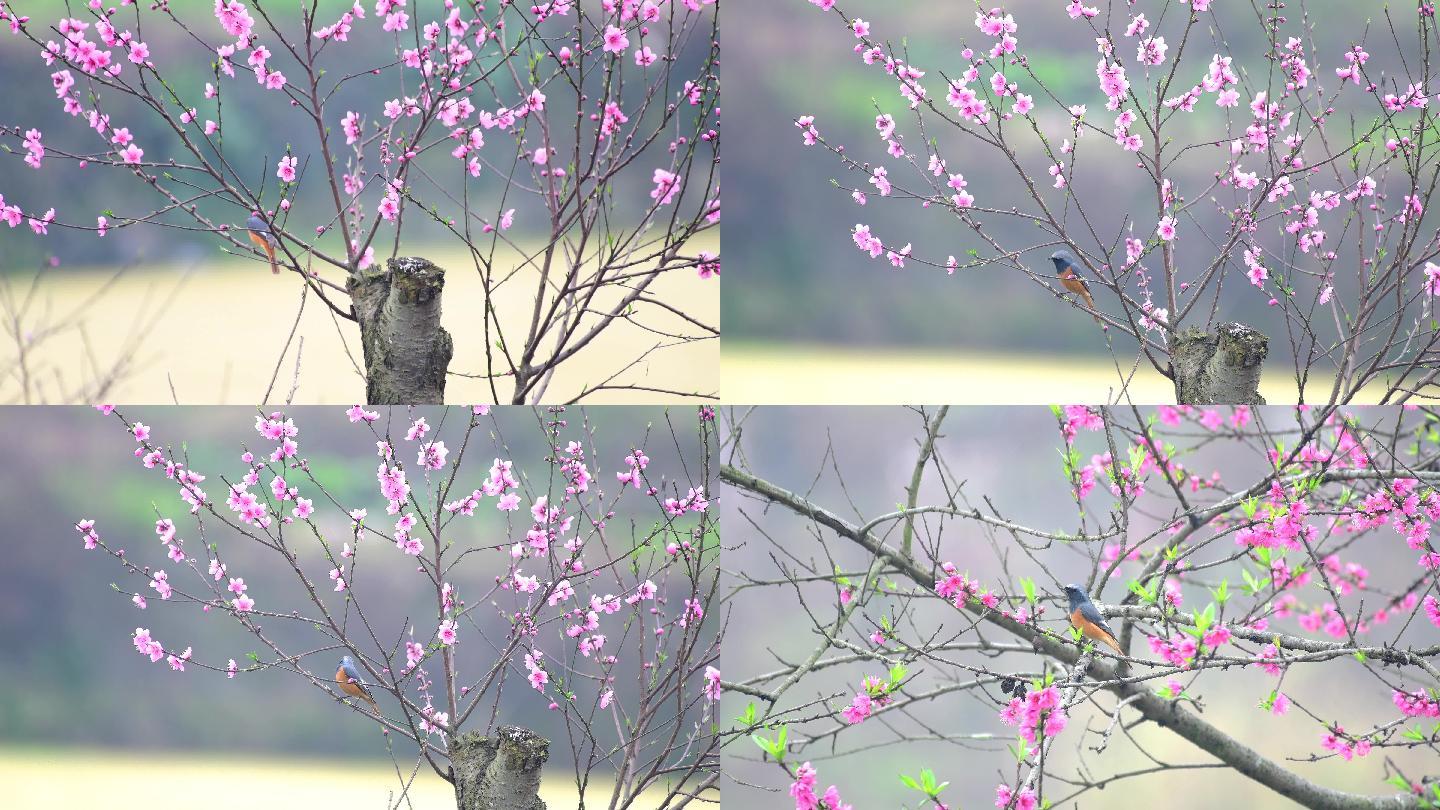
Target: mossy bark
[(1220, 368), (500, 772), (407, 352)]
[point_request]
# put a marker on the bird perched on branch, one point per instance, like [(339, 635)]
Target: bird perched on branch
[(1068, 269), (262, 237), (349, 679), (1085, 616)]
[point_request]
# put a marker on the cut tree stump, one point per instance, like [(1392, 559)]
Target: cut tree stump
[(500, 772), (1220, 368), (407, 352)]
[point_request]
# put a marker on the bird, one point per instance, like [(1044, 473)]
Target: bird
[(262, 237), (1069, 272), (349, 679), (1087, 618)]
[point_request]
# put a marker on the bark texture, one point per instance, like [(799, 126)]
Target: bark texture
[(1169, 714), (500, 772), (1222, 368), (406, 350)]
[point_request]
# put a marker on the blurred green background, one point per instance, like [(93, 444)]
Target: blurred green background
[(812, 319), (215, 326), (257, 126), (86, 720), (1007, 460)]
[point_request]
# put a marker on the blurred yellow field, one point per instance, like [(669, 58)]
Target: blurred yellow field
[(76, 777), (802, 374), (215, 334)]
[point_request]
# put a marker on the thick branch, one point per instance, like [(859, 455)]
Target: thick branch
[(1159, 710)]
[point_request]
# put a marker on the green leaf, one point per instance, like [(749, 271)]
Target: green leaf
[(748, 718), (1222, 593), (1137, 456), (1203, 620), (1140, 591), (775, 747), (1069, 461), (1253, 585), (1028, 586), (1269, 702)]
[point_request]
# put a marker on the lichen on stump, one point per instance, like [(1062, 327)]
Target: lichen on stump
[(407, 352), (1220, 368), (500, 772)]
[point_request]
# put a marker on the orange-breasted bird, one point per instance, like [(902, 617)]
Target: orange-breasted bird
[(1085, 616), (1069, 272), (262, 237), (349, 679)]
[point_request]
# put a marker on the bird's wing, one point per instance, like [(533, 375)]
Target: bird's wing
[(1089, 611), (259, 228)]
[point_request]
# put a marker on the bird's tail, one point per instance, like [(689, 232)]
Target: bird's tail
[(1090, 302), (274, 268), (1111, 642)]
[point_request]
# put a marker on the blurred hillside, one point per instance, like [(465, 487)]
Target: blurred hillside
[(256, 127), (73, 675), (190, 322), (797, 277)]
